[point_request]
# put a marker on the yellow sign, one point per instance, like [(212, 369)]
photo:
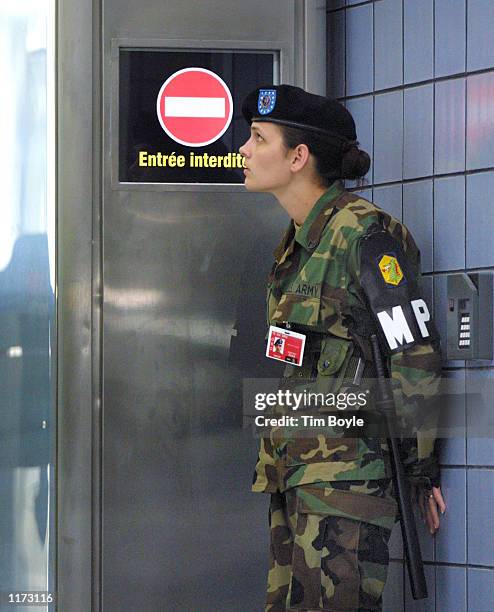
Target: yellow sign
[(390, 269)]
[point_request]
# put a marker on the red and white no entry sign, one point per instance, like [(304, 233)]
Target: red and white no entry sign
[(194, 107)]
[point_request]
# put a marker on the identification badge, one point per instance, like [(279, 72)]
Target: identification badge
[(285, 345)]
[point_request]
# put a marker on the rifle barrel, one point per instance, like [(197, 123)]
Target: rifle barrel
[(411, 544)]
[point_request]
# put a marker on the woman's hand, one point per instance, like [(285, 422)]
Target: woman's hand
[(429, 503)]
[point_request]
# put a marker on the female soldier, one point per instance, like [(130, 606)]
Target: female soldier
[(341, 260)]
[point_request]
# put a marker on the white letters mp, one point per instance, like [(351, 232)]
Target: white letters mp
[(396, 328)]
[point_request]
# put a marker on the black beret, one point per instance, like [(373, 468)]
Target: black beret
[(295, 107)]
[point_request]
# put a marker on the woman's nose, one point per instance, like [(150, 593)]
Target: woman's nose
[(243, 149)]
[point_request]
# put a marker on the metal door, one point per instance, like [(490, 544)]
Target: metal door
[(183, 268)]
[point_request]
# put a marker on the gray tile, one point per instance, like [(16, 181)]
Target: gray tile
[(449, 223), (422, 605), (393, 598), (418, 27), (335, 57), (453, 417), (390, 199), (365, 193), (359, 57), (480, 220), (480, 590), (484, 363), (449, 37), (427, 291), (417, 215), (418, 140), (362, 110), (332, 5), (388, 137), (453, 521), (480, 417), (388, 44), (480, 20), (449, 126), (480, 523), (350, 2), (480, 121), (451, 589), (440, 311)]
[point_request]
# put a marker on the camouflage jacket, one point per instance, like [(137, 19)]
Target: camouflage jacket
[(313, 286)]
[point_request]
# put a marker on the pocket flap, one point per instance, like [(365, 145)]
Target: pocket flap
[(357, 506), (333, 353)]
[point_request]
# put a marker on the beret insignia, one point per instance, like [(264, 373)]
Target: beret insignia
[(266, 101)]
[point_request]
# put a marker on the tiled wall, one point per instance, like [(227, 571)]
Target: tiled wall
[(418, 77)]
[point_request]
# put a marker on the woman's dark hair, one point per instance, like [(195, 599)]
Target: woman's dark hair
[(335, 158)]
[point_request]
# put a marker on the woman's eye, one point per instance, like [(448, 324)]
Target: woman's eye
[(259, 137)]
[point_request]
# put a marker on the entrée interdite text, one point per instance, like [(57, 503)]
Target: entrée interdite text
[(193, 160)]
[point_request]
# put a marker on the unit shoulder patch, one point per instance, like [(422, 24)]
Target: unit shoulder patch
[(390, 270)]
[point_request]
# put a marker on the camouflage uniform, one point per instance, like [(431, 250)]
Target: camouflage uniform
[(332, 506)]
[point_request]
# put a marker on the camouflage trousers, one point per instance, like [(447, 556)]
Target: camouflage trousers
[(323, 562)]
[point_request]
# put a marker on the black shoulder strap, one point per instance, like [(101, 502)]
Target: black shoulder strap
[(390, 285)]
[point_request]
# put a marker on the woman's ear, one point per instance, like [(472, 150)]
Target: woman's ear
[(300, 157)]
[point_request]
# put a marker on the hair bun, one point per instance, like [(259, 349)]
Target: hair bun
[(355, 163)]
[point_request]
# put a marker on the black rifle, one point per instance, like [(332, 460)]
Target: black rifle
[(386, 405)]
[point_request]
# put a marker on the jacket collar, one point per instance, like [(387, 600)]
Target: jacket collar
[(312, 228), (309, 233)]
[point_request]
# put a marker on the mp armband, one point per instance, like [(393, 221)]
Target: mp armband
[(392, 293)]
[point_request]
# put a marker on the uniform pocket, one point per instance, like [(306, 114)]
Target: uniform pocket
[(333, 364), (334, 353), (316, 442), (325, 573)]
